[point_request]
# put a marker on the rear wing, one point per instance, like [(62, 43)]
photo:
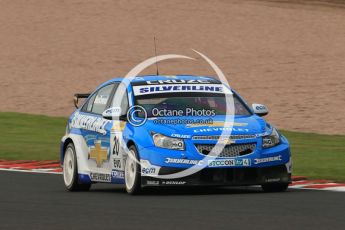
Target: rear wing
[(79, 95)]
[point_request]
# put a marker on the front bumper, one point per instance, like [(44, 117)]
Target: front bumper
[(271, 165), (222, 177), (162, 157)]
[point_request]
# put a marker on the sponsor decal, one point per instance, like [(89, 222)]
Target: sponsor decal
[(113, 110), (182, 161), (171, 182), (91, 123), (101, 99), (117, 163), (101, 177), (201, 88), (98, 153), (148, 171), (267, 159), (220, 129), (179, 81), (180, 135), (116, 174), (260, 107), (243, 162), (152, 182), (229, 162), (116, 148), (174, 80)]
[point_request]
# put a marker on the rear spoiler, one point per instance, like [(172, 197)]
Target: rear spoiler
[(79, 95)]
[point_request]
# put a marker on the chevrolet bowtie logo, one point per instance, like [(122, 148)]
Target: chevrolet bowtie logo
[(98, 153), (226, 141)]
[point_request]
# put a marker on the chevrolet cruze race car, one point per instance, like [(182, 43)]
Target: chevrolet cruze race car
[(172, 131)]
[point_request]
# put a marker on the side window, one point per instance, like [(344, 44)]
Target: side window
[(121, 98), (101, 99), (88, 105)]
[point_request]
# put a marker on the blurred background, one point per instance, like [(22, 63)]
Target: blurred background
[(288, 55)]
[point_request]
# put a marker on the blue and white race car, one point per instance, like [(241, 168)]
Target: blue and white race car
[(172, 131)]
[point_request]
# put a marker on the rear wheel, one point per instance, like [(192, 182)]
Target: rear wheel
[(275, 187), (70, 171), (132, 172)]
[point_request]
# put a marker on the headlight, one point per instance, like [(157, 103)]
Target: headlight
[(167, 142), (271, 140)]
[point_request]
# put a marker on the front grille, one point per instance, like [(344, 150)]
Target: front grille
[(233, 150), (216, 137)]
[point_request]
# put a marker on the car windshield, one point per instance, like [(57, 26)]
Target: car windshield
[(191, 104)]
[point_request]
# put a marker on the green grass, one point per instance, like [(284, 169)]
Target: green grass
[(318, 156), (28, 137), (38, 137)]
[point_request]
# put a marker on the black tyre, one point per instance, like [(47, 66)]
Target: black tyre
[(132, 172), (70, 171), (275, 187)]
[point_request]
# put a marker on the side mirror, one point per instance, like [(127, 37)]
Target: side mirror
[(260, 110), (79, 95), (113, 113)]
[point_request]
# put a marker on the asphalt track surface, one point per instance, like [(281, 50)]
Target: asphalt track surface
[(39, 201)]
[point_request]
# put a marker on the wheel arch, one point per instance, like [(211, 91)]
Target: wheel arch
[(130, 143), (64, 145), (133, 143)]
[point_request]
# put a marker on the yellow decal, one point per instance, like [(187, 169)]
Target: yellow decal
[(98, 154), (118, 126)]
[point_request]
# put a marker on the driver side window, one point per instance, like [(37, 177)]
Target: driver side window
[(99, 100), (121, 99)]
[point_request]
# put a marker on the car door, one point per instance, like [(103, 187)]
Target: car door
[(97, 134), (117, 144)]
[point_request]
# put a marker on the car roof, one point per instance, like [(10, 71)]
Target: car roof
[(143, 78)]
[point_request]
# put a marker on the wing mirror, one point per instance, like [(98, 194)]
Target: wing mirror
[(114, 113), (77, 96), (260, 110)]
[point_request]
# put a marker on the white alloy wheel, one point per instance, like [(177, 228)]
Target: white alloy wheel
[(70, 171), (68, 167), (130, 170)]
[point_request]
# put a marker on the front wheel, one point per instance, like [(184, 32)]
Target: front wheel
[(70, 171), (275, 187), (132, 172)]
